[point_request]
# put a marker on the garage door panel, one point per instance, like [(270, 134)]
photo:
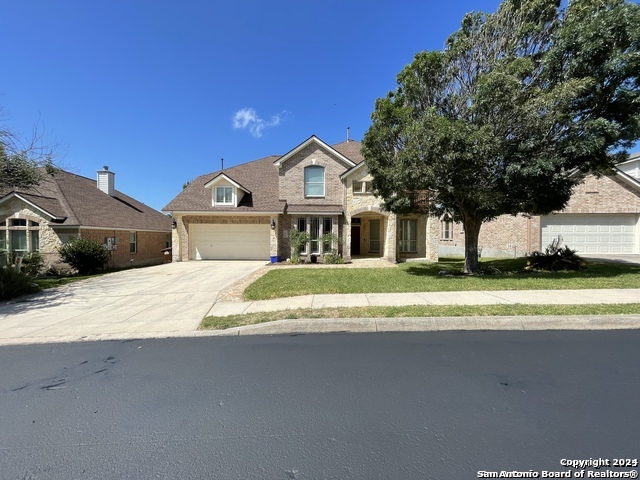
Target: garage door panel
[(592, 233), (230, 241)]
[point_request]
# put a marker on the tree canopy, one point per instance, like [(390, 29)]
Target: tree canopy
[(517, 108)]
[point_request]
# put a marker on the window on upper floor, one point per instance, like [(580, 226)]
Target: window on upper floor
[(314, 181), (362, 188), (224, 195)]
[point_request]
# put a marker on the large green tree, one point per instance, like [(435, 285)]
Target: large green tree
[(519, 106)]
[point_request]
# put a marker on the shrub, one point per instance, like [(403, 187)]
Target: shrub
[(298, 240), (556, 258), (84, 255), (33, 264), (14, 283), (333, 258)]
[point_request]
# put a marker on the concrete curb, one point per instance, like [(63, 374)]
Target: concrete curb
[(427, 324), (369, 325)]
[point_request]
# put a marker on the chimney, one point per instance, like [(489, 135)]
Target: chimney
[(348, 134), (106, 181)]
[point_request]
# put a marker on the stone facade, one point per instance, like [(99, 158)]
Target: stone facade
[(48, 239), (367, 207)]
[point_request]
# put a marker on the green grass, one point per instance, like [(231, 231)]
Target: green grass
[(423, 277), (51, 282), (221, 323)]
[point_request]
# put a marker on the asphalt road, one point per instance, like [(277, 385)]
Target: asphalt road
[(433, 405)]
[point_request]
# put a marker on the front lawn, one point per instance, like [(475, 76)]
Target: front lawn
[(222, 323), (424, 277)]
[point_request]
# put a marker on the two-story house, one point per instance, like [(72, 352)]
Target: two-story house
[(247, 211)]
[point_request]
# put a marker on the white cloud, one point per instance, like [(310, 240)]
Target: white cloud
[(247, 118)]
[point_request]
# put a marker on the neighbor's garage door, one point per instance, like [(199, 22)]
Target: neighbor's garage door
[(236, 242), (592, 233)]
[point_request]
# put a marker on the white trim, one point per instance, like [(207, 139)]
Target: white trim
[(306, 183), (633, 157), (232, 203), (222, 176), (18, 196), (351, 170), (628, 179), (307, 142)]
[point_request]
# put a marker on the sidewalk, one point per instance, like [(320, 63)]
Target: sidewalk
[(40, 322), (525, 297)]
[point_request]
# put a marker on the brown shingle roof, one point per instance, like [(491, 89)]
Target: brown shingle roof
[(351, 150), (260, 177), (79, 201)]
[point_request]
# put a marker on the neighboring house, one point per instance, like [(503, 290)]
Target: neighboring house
[(602, 217), (247, 211), (66, 206)]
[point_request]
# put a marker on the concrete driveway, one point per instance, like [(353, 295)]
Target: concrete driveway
[(147, 302)]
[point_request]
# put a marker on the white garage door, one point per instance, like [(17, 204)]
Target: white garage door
[(235, 242), (592, 233)]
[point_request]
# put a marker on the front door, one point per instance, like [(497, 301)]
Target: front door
[(355, 240), (374, 236)]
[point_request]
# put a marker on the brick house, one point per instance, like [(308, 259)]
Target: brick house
[(247, 211), (66, 206), (602, 217)]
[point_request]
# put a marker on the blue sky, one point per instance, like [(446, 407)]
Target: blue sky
[(159, 91)]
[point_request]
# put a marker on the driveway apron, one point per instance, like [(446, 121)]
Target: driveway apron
[(155, 301)]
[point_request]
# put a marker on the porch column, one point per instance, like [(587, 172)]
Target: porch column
[(273, 236), (432, 238), (391, 242), (346, 238)]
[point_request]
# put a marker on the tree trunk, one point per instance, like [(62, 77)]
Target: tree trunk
[(471, 233)]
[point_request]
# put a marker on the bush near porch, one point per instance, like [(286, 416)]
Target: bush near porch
[(508, 274)]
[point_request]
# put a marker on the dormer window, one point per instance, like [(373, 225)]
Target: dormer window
[(224, 195), (314, 181)]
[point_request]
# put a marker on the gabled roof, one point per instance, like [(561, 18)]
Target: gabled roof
[(49, 207), (73, 200), (258, 178), (222, 176), (350, 149), (633, 157), (628, 179), (313, 139)]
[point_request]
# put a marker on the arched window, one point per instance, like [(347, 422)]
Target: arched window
[(446, 227), (314, 181)]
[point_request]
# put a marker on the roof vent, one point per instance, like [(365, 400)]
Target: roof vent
[(106, 181)]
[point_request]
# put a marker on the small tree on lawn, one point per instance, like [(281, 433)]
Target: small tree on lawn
[(519, 106)]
